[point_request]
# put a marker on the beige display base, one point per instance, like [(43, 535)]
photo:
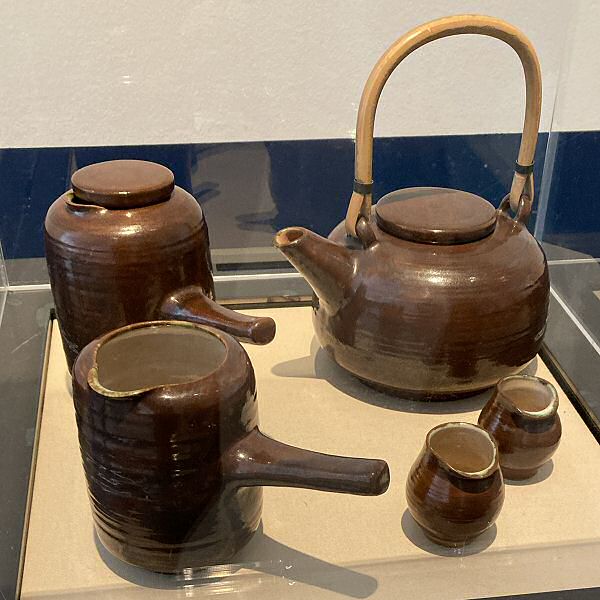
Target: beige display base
[(320, 545)]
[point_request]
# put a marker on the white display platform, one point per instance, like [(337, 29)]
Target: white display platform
[(322, 545)]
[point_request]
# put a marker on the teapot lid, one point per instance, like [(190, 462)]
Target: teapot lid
[(435, 215), (123, 183)]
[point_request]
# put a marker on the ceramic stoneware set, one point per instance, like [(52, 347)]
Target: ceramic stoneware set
[(430, 294)]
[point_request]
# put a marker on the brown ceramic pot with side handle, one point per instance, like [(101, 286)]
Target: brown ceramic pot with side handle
[(432, 293), (455, 488), (522, 416), (126, 245), (174, 460)]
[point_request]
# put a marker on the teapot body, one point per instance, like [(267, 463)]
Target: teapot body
[(435, 321), (109, 268)]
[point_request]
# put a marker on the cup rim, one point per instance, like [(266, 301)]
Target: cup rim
[(550, 409), (481, 474), (93, 379)]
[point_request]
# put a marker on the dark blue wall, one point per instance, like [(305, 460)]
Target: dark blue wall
[(573, 219), (310, 181)]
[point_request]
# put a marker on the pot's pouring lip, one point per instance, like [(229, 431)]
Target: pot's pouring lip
[(93, 377), (493, 463), (123, 184), (434, 215), (551, 406)]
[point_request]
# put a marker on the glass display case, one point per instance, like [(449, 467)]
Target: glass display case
[(267, 143)]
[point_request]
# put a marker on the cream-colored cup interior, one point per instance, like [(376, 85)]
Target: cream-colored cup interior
[(463, 447), (528, 394), (157, 355)]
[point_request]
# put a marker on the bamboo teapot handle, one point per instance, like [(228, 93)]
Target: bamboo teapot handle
[(521, 190)]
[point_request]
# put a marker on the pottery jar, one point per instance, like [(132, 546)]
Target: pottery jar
[(455, 488), (522, 416), (174, 460), (126, 245)]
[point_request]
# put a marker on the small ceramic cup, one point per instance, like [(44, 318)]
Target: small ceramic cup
[(455, 488), (522, 416)]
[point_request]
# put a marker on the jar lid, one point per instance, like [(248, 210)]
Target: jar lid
[(123, 183), (435, 215)]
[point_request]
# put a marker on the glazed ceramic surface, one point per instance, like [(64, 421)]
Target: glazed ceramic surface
[(126, 245), (522, 416), (422, 320), (455, 488), (432, 293), (168, 431)]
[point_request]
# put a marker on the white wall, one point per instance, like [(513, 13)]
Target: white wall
[(578, 106), (157, 71)]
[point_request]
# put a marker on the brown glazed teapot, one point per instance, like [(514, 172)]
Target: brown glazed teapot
[(126, 245), (174, 460), (432, 293)]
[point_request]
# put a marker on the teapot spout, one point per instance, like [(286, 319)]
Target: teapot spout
[(328, 267)]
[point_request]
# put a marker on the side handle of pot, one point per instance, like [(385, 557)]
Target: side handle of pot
[(191, 304), (259, 460)]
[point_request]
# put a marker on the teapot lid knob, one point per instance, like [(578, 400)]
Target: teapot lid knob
[(435, 215), (123, 183)]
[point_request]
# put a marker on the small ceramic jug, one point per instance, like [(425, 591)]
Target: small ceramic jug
[(127, 245), (174, 459), (522, 416), (455, 488)]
